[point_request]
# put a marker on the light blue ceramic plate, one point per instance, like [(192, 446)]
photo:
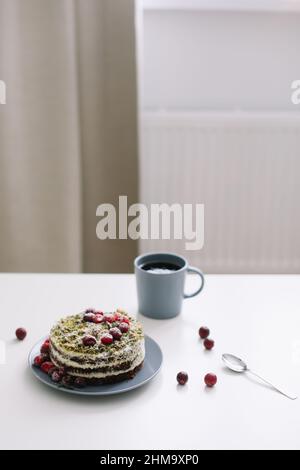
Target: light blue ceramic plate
[(152, 365)]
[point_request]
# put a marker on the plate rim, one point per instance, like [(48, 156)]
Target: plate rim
[(82, 392)]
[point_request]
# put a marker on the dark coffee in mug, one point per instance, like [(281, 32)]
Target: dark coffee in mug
[(159, 267), (160, 279)]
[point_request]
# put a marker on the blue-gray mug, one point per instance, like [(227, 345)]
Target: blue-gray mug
[(160, 279)]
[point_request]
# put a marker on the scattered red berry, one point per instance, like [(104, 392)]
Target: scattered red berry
[(79, 382), (124, 327), (209, 344), (98, 318), (107, 339), (109, 317), (210, 380), (45, 347), (116, 333), (89, 317), (21, 333), (38, 360), (204, 332), (99, 312), (117, 316), (90, 310), (47, 366), (89, 340), (125, 320), (182, 378)]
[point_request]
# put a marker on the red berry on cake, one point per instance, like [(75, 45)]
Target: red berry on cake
[(90, 310), (89, 340), (209, 344), (124, 327), (204, 332), (38, 360), (47, 366), (126, 320), (182, 378), (98, 318), (210, 380), (89, 317), (21, 333), (107, 339), (108, 317), (116, 333), (117, 316)]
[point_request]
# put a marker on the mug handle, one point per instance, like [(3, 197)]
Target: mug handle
[(196, 271)]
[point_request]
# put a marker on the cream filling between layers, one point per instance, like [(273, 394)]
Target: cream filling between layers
[(98, 375), (127, 354)]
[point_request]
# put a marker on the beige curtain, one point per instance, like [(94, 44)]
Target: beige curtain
[(68, 133)]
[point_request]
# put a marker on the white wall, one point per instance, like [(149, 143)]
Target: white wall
[(220, 60), (243, 166)]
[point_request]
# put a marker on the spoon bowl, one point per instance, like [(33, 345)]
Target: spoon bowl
[(234, 363)]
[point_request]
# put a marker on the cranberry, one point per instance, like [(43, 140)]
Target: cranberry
[(99, 312), (98, 318), (109, 317), (56, 376), (182, 378), (116, 333), (45, 347), (21, 333), (90, 310), (117, 316), (210, 380), (79, 382), (47, 366), (38, 360), (89, 317), (204, 332), (124, 327), (66, 380), (125, 320), (209, 344), (89, 340), (45, 357), (107, 339)]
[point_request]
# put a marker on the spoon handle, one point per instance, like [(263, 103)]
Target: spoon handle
[(291, 397)]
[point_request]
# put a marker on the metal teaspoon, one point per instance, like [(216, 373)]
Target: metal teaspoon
[(237, 365)]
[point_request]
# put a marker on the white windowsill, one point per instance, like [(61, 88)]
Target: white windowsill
[(223, 5)]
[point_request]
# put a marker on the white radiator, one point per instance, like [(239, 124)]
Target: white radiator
[(245, 168)]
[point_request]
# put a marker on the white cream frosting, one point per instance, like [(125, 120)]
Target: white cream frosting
[(139, 359), (65, 359)]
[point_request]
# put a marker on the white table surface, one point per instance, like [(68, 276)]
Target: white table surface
[(255, 317)]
